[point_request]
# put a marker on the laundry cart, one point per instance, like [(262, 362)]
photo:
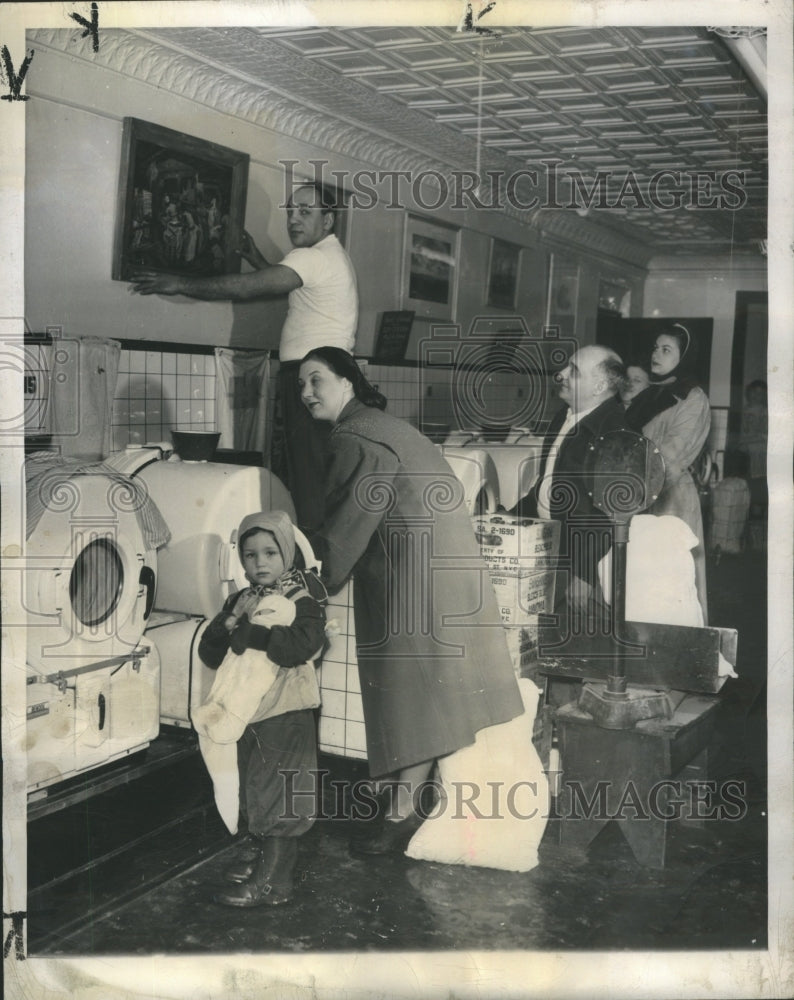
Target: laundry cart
[(93, 683)]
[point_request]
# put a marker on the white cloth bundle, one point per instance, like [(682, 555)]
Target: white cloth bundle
[(660, 575), (240, 684), (494, 801)]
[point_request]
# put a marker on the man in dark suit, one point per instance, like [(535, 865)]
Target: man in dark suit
[(563, 490)]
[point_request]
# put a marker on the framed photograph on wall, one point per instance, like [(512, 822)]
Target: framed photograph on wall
[(614, 297), (563, 295), (181, 203), (430, 268), (503, 274)]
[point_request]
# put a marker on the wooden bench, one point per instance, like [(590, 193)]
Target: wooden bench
[(642, 777)]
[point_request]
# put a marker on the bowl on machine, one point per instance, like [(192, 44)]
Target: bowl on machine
[(195, 446)]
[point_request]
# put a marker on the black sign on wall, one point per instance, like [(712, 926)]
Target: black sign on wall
[(393, 335)]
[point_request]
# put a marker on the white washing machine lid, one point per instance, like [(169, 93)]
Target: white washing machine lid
[(473, 467), (203, 504)]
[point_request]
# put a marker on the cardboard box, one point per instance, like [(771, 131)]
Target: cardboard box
[(522, 645), (517, 546), (522, 598)]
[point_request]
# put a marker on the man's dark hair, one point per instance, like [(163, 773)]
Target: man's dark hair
[(327, 196)]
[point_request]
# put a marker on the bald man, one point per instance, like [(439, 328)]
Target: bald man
[(318, 277), (589, 384)]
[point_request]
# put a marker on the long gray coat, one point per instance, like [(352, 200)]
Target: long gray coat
[(432, 654)]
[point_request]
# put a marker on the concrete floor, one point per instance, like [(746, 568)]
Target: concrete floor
[(158, 897), (711, 894)]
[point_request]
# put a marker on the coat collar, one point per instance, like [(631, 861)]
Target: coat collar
[(350, 409)]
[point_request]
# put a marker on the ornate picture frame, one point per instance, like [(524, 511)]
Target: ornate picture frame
[(181, 203)]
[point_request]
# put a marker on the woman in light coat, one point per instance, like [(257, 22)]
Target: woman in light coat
[(674, 413)]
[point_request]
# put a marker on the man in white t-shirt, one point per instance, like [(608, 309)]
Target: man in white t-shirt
[(318, 277)]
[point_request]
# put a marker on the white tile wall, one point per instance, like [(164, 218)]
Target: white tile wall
[(157, 392), (418, 395), (341, 715)]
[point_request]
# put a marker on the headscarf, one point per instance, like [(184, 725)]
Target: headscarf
[(665, 390), (343, 364), (278, 523)]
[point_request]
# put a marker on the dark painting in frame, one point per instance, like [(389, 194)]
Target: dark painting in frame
[(181, 203), (503, 274)]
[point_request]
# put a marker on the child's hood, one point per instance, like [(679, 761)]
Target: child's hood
[(278, 523)]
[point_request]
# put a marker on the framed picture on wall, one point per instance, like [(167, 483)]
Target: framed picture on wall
[(614, 297), (503, 274), (181, 203), (563, 294), (430, 268)]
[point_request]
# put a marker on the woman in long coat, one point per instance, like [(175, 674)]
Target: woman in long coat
[(674, 413), (432, 654)]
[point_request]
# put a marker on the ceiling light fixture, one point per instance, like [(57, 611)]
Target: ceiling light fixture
[(735, 31)]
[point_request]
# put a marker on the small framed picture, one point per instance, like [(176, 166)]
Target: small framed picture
[(181, 203), (430, 268), (563, 295), (503, 274)]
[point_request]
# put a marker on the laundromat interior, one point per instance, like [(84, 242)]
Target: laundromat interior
[(416, 127)]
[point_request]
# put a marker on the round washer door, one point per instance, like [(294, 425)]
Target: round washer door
[(89, 580)]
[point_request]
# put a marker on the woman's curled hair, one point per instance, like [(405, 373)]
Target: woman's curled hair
[(344, 365)]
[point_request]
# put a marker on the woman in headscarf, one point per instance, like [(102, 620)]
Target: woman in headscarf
[(432, 656), (674, 413)]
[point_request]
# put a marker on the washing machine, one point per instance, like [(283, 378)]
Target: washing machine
[(80, 720), (185, 681), (203, 504), (93, 686), (475, 469), (512, 465)]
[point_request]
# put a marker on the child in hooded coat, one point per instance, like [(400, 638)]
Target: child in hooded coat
[(257, 729)]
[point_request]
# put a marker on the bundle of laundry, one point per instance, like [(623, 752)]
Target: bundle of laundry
[(246, 685), (493, 802), (660, 575)]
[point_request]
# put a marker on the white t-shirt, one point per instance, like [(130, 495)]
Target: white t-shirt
[(324, 310)]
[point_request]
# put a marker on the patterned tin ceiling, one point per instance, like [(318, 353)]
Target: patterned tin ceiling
[(658, 131)]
